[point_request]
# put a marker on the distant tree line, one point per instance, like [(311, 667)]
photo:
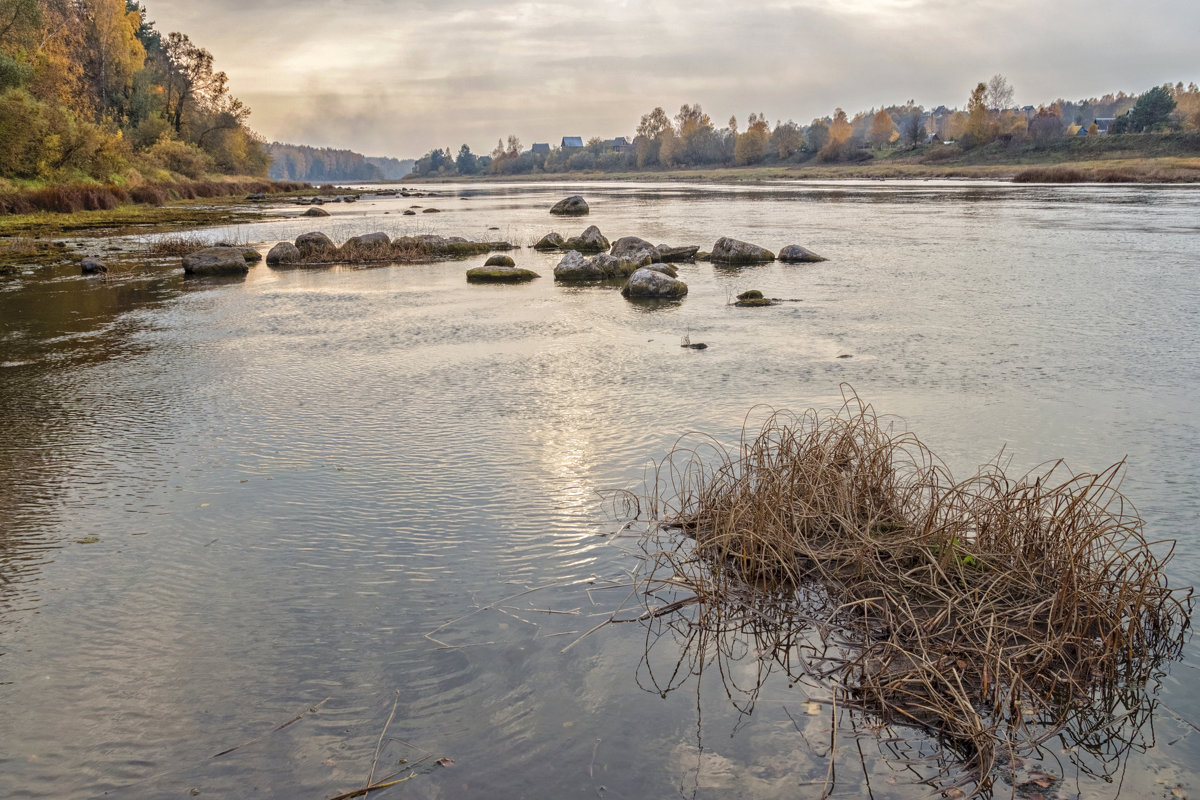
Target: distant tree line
[(90, 90), (293, 162), (690, 139)]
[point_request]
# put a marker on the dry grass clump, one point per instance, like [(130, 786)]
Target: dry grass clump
[(992, 613)]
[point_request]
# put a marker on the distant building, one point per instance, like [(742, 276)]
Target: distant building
[(1104, 123), (540, 147), (572, 141), (619, 145)]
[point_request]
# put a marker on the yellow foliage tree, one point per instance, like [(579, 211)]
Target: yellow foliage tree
[(751, 146), (883, 129)]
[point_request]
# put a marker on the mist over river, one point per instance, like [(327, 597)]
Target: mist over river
[(225, 502)]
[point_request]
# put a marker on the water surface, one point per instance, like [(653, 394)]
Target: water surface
[(224, 502)]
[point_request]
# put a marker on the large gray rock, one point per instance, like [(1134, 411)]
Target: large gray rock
[(316, 211), (650, 284), (795, 254), (590, 241), (378, 239), (574, 206), (668, 254), (633, 248), (551, 241), (283, 253), (314, 243), (574, 267), (216, 261), (733, 251)]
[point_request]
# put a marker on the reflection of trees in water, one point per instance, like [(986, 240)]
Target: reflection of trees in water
[(993, 616)]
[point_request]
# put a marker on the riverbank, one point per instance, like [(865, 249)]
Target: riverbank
[(1171, 158)]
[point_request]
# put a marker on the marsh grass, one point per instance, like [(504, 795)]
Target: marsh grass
[(993, 613)]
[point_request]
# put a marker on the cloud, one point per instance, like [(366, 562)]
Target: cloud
[(399, 78)]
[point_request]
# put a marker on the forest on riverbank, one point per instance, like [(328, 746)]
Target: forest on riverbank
[(93, 96), (1155, 134)]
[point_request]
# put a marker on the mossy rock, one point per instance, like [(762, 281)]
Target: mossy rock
[(251, 256), (499, 261), (316, 211), (753, 302), (500, 275), (750, 294)]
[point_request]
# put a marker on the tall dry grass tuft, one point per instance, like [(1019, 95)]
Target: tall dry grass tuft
[(993, 613)]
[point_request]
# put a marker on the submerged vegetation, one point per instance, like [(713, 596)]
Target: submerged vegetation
[(994, 614)]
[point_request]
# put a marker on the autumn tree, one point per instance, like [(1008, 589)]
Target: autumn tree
[(751, 146), (883, 129), (114, 53), (1046, 125), (837, 142), (978, 123), (786, 139), (647, 141)]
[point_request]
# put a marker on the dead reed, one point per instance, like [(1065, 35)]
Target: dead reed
[(993, 613)]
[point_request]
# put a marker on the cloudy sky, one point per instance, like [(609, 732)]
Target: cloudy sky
[(399, 77)]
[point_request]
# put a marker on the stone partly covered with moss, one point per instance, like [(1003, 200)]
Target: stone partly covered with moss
[(734, 251), (499, 261), (444, 246), (316, 211), (574, 206), (314, 244), (752, 299), (590, 241), (575, 268), (500, 275), (216, 261), (283, 253), (551, 241), (251, 255), (795, 254), (648, 284)]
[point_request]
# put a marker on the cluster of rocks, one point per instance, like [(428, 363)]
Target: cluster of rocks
[(320, 201), (315, 248)]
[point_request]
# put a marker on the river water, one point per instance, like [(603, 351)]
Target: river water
[(223, 503)]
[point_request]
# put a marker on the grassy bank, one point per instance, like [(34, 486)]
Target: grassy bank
[(55, 210)]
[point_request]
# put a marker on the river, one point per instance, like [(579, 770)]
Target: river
[(224, 503)]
